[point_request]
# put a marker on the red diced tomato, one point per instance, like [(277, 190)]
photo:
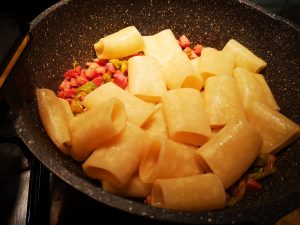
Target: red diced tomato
[(184, 42), (117, 72), (94, 65), (252, 184), (82, 73), (61, 94), (77, 70), (74, 82), (97, 81), (90, 73), (110, 67), (70, 93), (148, 200), (81, 80), (120, 80), (70, 74), (197, 49), (65, 85), (101, 62), (101, 70)]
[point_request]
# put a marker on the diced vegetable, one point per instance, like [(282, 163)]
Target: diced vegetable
[(252, 184), (266, 169), (184, 42), (197, 49), (107, 77), (236, 193), (120, 80), (87, 87)]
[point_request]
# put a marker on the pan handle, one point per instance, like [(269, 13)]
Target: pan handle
[(38, 204)]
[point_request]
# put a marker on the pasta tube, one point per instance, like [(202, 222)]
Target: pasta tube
[(276, 130), (193, 193), (117, 160), (187, 120), (231, 151), (162, 46), (125, 42), (222, 101), (134, 188), (245, 58), (145, 79), (253, 87), (157, 124), (56, 115), (167, 159), (213, 62), (180, 73), (137, 110), (95, 126)]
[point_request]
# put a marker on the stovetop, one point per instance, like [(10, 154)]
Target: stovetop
[(45, 199)]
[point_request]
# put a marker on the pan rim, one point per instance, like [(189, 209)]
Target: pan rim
[(136, 207)]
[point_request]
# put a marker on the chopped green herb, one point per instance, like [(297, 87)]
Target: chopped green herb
[(76, 106), (124, 66), (107, 77), (88, 87), (116, 62), (265, 170), (261, 160)]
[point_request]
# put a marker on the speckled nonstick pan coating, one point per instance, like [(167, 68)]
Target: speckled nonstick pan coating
[(66, 32)]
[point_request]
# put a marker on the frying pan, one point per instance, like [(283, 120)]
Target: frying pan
[(66, 32)]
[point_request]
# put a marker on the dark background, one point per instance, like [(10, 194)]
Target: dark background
[(28, 9)]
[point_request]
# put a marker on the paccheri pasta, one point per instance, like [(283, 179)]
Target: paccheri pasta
[(151, 117)]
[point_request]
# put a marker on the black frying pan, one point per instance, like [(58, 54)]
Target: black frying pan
[(66, 32)]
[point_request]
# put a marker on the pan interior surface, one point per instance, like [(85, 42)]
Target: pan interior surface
[(67, 31)]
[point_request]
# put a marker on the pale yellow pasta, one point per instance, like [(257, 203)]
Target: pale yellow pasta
[(55, 116), (144, 78), (95, 126), (268, 95), (222, 101), (117, 160), (244, 57), (138, 111), (276, 130), (195, 62), (231, 151), (133, 188), (166, 159), (162, 46), (180, 73), (192, 193), (213, 62), (253, 87), (183, 130), (187, 120), (157, 124), (67, 109), (125, 42)]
